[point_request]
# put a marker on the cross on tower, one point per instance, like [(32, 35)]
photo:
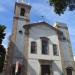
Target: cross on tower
[(20, 1)]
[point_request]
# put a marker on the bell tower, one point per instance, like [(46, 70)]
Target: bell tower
[(15, 51), (21, 17)]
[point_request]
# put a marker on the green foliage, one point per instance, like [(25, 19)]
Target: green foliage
[(2, 49), (2, 33), (61, 5), (2, 57)]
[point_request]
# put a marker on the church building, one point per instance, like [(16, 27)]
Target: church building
[(38, 48)]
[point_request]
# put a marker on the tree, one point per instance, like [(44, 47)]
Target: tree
[(2, 57), (2, 49), (2, 33), (61, 5)]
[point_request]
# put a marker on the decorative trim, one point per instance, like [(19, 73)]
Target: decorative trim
[(26, 46), (64, 27), (23, 4), (41, 23), (62, 55), (22, 18)]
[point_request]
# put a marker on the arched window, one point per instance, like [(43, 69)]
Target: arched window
[(22, 12)]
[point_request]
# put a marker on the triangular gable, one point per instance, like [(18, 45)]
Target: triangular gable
[(41, 23)]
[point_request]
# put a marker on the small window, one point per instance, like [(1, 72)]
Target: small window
[(45, 45), (33, 47), (62, 38), (20, 31), (55, 52), (22, 12)]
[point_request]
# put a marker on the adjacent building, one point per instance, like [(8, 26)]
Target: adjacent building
[(74, 58), (38, 48)]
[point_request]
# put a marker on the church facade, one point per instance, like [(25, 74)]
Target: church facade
[(38, 48)]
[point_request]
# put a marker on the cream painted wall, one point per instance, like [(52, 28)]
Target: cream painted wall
[(57, 68), (43, 31), (19, 43), (67, 49), (34, 65)]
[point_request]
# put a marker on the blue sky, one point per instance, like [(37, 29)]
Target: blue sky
[(39, 8)]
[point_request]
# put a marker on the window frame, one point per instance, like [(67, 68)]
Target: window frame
[(46, 62), (33, 47), (62, 37), (22, 12), (69, 71), (55, 50), (43, 68), (45, 40)]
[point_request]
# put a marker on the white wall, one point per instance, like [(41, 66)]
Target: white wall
[(19, 43), (34, 65), (43, 31), (57, 68), (74, 58)]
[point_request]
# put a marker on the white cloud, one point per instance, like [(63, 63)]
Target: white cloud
[(6, 40)]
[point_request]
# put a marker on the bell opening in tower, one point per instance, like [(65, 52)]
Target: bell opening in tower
[(22, 12)]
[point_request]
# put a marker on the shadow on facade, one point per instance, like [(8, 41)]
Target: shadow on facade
[(26, 69), (16, 55), (57, 69)]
